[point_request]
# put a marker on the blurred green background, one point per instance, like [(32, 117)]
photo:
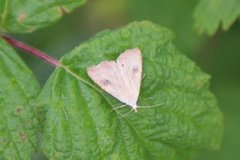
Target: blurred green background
[(218, 55)]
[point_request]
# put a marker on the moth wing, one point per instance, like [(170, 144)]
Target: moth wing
[(129, 64), (106, 76)]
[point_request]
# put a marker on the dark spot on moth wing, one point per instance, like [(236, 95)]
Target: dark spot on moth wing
[(122, 65), (135, 69), (105, 82)]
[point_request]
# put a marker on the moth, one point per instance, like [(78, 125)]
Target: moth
[(120, 78)]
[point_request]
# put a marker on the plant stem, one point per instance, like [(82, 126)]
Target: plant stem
[(31, 50)]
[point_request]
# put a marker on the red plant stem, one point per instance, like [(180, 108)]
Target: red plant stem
[(31, 50)]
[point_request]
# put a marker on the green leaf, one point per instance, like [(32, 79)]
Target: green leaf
[(18, 124), (80, 123), (18, 16), (209, 14)]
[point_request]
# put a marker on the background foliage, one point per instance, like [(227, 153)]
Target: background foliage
[(217, 55)]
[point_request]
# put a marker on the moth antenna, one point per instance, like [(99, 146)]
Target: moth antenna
[(127, 113), (116, 108), (123, 115), (153, 106)]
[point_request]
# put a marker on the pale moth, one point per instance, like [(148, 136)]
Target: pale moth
[(120, 78)]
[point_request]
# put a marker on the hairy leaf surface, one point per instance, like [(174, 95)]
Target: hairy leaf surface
[(19, 16), (80, 122), (209, 14), (18, 130)]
